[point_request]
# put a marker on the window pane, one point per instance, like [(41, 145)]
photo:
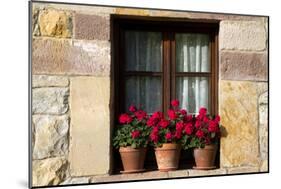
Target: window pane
[(193, 93), (192, 53), (145, 92), (143, 51)]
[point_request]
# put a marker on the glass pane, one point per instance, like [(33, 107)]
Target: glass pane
[(145, 92), (193, 93), (143, 51), (192, 53)]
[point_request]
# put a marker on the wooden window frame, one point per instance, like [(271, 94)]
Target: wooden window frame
[(168, 27)]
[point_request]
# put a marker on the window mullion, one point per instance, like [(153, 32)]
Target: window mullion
[(166, 70)]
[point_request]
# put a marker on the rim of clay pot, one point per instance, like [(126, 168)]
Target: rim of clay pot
[(130, 149), (168, 146), (207, 147)]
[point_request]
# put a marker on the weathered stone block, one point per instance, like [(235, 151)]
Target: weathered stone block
[(49, 81), (193, 172), (243, 169), (243, 66), (128, 177), (51, 136), (49, 171), (50, 100), (76, 180), (242, 35), (239, 116), (132, 11), (52, 56), (177, 173), (201, 15), (35, 27), (91, 27), (263, 125), (83, 9), (264, 166), (55, 23), (90, 126)]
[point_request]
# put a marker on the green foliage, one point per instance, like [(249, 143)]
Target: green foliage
[(123, 135)]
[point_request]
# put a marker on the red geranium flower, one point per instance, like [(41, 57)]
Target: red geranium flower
[(200, 134), (164, 123), (217, 118), (154, 134), (188, 128), (183, 112), (157, 115), (175, 103), (213, 126), (125, 118), (172, 114), (151, 122), (168, 136), (205, 119), (178, 134), (187, 118), (198, 124), (132, 108), (203, 111), (179, 126), (140, 114), (135, 134)]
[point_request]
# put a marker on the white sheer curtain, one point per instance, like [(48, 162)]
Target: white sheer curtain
[(143, 52), (192, 55)]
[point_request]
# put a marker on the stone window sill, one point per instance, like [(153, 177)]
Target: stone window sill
[(153, 175)]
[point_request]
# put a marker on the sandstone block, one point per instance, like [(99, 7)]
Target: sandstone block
[(201, 15), (236, 170), (177, 173), (76, 180), (49, 171), (55, 23), (51, 136), (193, 172), (243, 35), (51, 56), (35, 27), (239, 116), (243, 66), (263, 126), (91, 27), (264, 166), (128, 177), (49, 81), (90, 126), (50, 100), (132, 11)]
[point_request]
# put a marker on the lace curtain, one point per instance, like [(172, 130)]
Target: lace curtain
[(143, 52), (192, 55)]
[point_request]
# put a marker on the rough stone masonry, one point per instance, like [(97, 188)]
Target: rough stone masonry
[(71, 61)]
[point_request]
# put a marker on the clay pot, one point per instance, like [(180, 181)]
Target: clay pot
[(168, 156), (205, 157), (132, 159)]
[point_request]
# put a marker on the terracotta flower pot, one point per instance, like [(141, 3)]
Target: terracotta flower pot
[(168, 156), (132, 159), (205, 157)]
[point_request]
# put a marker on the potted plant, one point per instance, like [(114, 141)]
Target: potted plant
[(167, 135), (131, 138), (205, 138)]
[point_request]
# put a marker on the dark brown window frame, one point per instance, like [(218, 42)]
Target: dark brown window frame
[(168, 27)]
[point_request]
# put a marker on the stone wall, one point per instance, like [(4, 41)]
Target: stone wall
[(71, 87)]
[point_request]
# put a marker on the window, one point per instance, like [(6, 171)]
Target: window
[(156, 61)]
